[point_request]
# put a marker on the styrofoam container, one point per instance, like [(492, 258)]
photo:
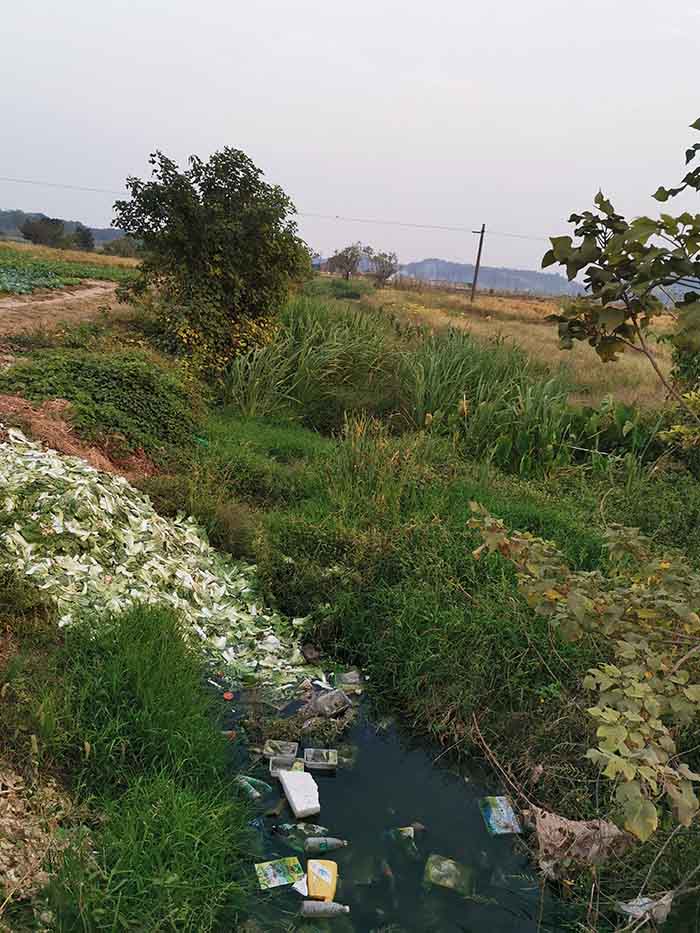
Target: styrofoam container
[(301, 791)]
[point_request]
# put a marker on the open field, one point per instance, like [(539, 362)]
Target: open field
[(25, 269), (520, 320)]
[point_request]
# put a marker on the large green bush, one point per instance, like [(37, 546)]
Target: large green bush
[(127, 394)]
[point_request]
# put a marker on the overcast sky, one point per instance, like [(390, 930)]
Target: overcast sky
[(450, 112)]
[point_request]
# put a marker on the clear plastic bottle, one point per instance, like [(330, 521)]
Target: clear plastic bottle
[(323, 909), (316, 845)]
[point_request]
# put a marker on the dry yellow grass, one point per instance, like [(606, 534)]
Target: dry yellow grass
[(67, 255), (631, 379)]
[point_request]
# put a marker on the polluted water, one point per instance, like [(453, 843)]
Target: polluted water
[(419, 855)]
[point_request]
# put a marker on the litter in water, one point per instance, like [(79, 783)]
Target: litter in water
[(646, 908), (295, 835), (404, 837), (322, 879), (317, 845), (281, 871), (323, 909), (321, 759), (274, 748), (330, 704), (282, 763), (499, 816), (301, 791), (446, 873), (252, 787)]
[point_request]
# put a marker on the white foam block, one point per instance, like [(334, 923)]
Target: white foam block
[(301, 791)]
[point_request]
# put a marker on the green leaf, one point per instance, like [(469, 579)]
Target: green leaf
[(661, 194), (617, 765), (611, 318), (642, 228), (640, 814), (611, 737), (696, 125), (548, 259), (561, 247), (607, 349)]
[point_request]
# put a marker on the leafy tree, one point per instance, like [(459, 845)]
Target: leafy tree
[(346, 261), (628, 266), (44, 231), (83, 237), (221, 248), (383, 266)]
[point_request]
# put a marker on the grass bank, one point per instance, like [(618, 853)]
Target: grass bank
[(116, 711)]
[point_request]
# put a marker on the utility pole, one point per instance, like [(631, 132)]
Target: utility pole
[(478, 258)]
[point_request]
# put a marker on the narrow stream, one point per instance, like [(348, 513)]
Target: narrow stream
[(395, 782)]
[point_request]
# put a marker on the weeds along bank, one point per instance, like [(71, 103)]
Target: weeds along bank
[(342, 458)]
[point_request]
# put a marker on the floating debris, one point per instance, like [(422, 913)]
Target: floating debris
[(321, 759), (323, 909), (301, 791), (280, 763), (274, 748), (446, 873), (280, 872), (499, 816), (330, 704), (317, 845), (322, 879)]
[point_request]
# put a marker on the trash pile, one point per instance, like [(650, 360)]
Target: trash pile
[(324, 883), (94, 544)]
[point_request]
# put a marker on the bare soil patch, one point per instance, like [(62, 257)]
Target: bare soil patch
[(47, 309), (50, 424)]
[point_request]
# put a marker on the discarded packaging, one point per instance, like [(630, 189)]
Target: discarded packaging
[(330, 704), (350, 677), (323, 909), (274, 748), (252, 787), (321, 759), (280, 872), (301, 791), (404, 837), (301, 887), (446, 873), (499, 816), (646, 908), (322, 879), (317, 845), (282, 763)]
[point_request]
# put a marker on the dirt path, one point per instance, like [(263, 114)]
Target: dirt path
[(22, 313)]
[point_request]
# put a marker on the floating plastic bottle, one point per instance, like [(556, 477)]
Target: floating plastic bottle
[(317, 845), (252, 787), (323, 909)]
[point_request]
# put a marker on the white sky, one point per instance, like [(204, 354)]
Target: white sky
[(452, 112)]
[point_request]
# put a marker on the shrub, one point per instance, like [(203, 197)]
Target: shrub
[(127, 394)]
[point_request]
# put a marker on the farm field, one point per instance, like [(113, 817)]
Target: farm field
[(28, 269), (521, 321)]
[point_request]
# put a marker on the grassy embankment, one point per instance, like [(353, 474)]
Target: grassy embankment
[(353, 445)]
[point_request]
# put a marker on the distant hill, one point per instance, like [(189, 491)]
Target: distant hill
[(506, 280), (11, 221)]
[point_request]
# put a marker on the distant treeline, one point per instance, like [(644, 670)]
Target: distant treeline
[(11, 223)]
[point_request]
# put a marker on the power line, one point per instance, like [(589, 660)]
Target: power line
[(336, 217)]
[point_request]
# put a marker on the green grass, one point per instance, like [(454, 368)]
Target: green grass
[(21, 273), (158, 837), (166, 859), (126, 716), (128, 394)]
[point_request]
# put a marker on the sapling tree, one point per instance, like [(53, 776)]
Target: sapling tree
[(633, 270)]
